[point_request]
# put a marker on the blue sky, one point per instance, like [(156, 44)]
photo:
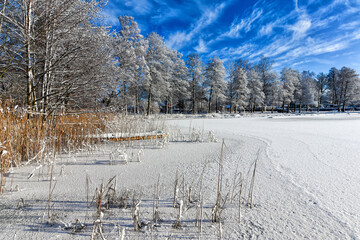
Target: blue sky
[(303, 34)]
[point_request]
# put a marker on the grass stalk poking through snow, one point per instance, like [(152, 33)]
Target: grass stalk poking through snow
[(176, 189), (216, 211), (156, 203), (251, 189)]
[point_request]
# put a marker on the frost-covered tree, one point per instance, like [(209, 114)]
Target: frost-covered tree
[(349, 86), (179, 85), (333, 83), (158, 62), (274, 93), (230, 69), (238, 91), (307, 84), (320, 88), (264, 68), (240, 87), (131, 51), (196, 70), (56, 49), (256, 95), (290, 83), (215, 82)]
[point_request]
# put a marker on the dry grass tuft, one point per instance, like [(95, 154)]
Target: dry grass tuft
[(26, 138)]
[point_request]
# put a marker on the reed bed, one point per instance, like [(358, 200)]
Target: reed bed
[(27, 138)]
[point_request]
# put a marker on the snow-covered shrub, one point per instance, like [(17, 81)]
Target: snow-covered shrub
[(212, 137)]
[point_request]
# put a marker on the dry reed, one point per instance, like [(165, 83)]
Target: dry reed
[(26, 138)]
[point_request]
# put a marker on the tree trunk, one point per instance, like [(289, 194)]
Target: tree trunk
[(2, 17), (216, 105), (288, 108), (149, 103), (47, 65), (166, 106), (193, 95), (124, 98), (210, 95), (29, 57)]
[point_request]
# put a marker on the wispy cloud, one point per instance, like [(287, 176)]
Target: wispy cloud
[(166, 14), (111, 16), (301, 27), (244, 25), (141, 7), (180, 38), (292, 33), (201, 48), (233, 53), (267, 29)]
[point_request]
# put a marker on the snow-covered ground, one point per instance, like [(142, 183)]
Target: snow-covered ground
[(307, 183)]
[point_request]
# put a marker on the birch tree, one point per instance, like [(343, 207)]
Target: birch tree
[(54, 44)]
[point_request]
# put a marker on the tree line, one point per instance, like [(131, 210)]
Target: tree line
[(57, 54)]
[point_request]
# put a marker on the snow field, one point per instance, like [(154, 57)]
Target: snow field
[(306, 183)]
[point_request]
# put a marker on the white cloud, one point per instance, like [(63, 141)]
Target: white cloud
[(178, 39), (327, 48), (244, 25), (181, 38), (296, 5), (356, 35), (166, 15), (111, 16), (350, 25), (201, 48), (231, 53), (267, 29), (301, 27), (141, 7)]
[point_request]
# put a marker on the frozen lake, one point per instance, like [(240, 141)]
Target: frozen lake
[(309, 173), (307, 183)]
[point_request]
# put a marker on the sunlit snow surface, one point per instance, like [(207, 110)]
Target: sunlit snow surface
[(309, 176), (307, 184)]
